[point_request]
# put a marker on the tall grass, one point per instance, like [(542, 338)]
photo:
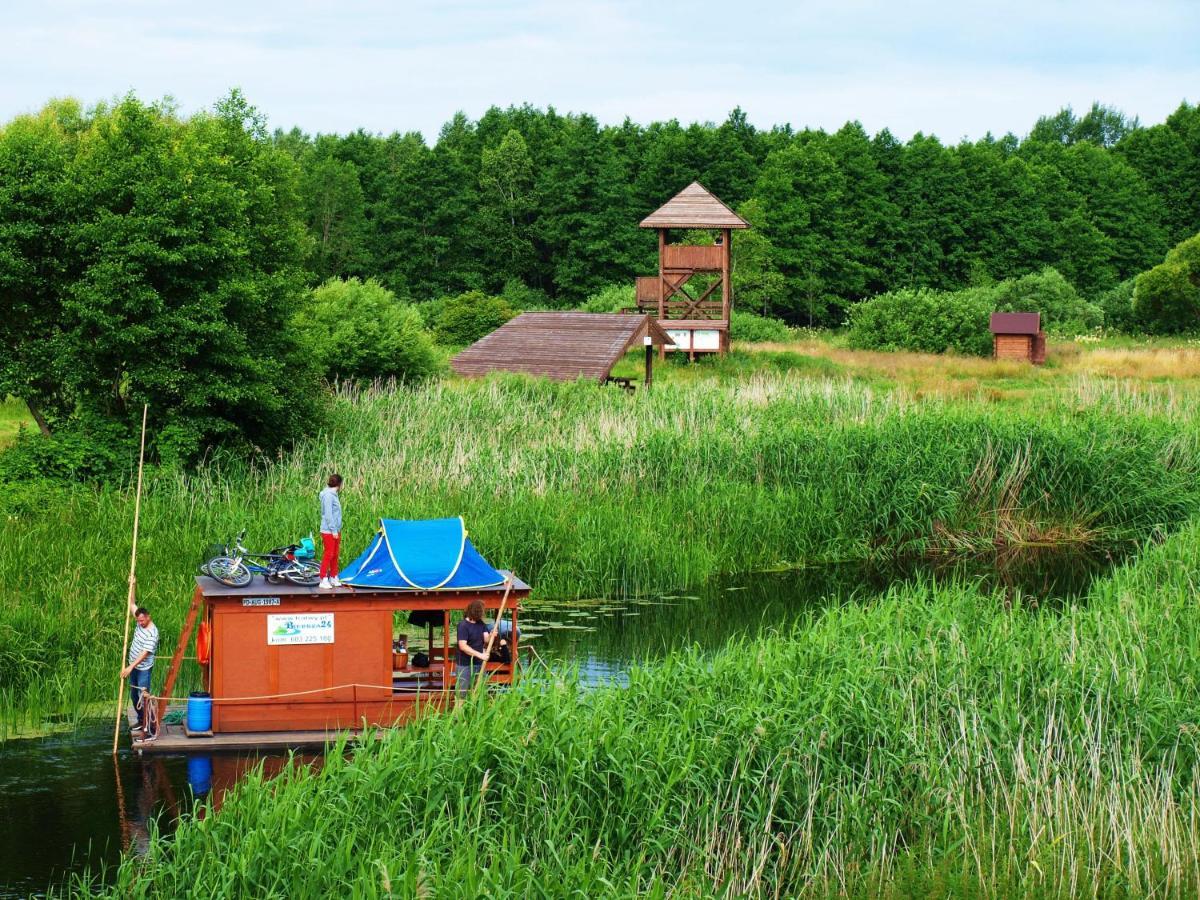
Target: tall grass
[(585, 492), (928, 743)]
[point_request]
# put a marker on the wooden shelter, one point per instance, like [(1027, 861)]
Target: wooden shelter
[(697, 322), (289, 665), (1018, 336), (562, 345)]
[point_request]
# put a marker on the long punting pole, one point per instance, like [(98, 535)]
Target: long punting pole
[(137, 513), (508, 586)]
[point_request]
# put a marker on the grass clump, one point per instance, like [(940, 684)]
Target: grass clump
[(929, 741)]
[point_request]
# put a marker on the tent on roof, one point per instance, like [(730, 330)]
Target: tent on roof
[(422, 555)]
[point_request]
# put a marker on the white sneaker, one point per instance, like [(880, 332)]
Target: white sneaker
[(325, 585), (335, 581)]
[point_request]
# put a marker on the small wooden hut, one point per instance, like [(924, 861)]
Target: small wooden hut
[(697, 322), (1018, 336)]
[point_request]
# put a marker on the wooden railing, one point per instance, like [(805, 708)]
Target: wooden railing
[(701, 259)]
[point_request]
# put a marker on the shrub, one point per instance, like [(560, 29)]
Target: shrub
[(923, 320), (748, 326), (1047, 292), (611, 298), (468, 317), (520, 296), (1117, 305), (359, 330), (1166, 299)]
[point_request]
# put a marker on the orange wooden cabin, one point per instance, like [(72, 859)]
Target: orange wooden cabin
[(331, 667), (1018, 336), (696, 322)]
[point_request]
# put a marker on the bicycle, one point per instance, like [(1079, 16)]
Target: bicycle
[(236, 567)]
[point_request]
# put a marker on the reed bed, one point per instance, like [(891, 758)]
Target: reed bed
[(927, 743), (588, 492)]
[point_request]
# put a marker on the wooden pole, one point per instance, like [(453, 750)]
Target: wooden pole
[(649, 359), (137, 513), (508, 586), (662, 251)]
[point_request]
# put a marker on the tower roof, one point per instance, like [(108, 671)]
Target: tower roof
[(694, 207)]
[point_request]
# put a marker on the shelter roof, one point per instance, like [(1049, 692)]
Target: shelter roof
[(694, 207), (1016, 323), (559, 345), (258, 589)]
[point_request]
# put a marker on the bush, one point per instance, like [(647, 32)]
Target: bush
[(748, 326), (924, 320), (521, 297), (468, 317), (93, 449), (1117, 305), (1166, 299), (359, 330), (611, 298), (1063, 310)]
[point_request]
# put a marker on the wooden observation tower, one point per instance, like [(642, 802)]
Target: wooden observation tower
[(697, 320)]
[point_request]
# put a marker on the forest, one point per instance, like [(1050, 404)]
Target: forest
[(257, 263), (554, 200)]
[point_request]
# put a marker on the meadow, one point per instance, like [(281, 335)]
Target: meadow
[(928, 743), (588, 492)]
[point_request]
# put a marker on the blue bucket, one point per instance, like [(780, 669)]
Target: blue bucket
[(199, 774), (199, 711)]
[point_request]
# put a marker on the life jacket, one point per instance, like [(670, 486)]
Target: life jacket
[(203, 644)]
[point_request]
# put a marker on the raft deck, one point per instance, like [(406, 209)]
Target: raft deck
[(175, 739)]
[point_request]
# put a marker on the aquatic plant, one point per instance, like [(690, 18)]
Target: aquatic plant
[(928, 743)]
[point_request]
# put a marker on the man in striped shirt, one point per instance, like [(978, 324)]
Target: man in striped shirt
[(141, 662)]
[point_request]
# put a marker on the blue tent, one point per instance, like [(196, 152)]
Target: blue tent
[(424, 555)]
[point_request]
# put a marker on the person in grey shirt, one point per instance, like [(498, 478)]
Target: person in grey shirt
[(331, 532)]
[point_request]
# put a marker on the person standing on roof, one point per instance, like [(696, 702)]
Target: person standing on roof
[(331, 532)]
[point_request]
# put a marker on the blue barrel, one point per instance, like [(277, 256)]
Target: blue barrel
[(199, 711), (199, 774)]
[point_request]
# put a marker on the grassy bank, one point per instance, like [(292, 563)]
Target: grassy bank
[(586, 492), (929, 743), (13, 417)]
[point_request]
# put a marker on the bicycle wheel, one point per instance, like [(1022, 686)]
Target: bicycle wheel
[(231, 572), (303, 573)]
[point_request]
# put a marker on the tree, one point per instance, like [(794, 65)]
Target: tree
[(468, 317), (757, 283), (800, 189), (1166, 299), (359, 330), (336, 212), (506, 194), (184, 236)]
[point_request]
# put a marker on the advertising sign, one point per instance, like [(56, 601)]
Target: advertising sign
[(300, 628)]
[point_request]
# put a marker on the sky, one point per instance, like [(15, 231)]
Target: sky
[(957, 70)]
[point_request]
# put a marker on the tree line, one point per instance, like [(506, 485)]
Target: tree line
[(553, 201)]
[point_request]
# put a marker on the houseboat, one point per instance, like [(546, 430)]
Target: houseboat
[(292, 666)]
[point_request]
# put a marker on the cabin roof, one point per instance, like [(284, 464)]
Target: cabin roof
[(559, 345), (1016, 323), (694, 207), (212, 588)]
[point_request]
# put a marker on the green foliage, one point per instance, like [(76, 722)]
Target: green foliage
[(924, 320), (1117, 306), (751, 327), (1047, 292), (146, 258), (468, 317), (757, 282), (359, 330), (611, 298), (1166, 299)]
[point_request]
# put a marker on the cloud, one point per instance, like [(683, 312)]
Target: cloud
[(951, 69)]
